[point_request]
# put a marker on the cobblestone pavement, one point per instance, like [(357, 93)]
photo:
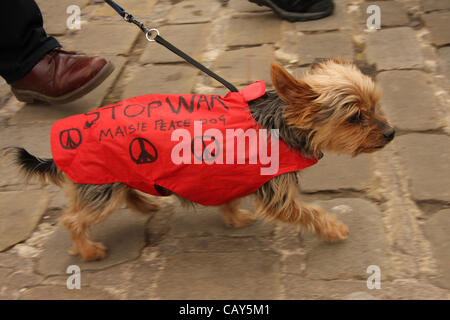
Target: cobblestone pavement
[(396, 202)]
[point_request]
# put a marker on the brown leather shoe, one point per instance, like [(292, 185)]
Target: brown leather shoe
[(61, 77)]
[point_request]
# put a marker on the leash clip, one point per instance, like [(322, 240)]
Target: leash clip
[(151, 34), (127, 17)]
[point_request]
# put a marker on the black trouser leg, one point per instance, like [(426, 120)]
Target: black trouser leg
[(23, 38)]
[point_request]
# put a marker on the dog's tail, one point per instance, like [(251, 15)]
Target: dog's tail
[(34, 167)]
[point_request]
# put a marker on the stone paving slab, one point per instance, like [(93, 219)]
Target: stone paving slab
[(208, 221), (437, 23), (59, 200), (297, 288), (225, 244), (323, 46), (349, 259), (342, 173), (437, 230), (20, 212), (202, 229), (5, 91), (432, 5), (36, 139), (205, 258), (244, 66), (190, 37), (8, 108), (47, 113), (426, 158), (444, 62), (62, 293), (9, 260), (288, 239), (114, 279), (401, 43), (408, 100), (123, 233), (134, 280), (55, 14), (413, 289), (193, 11), (253, 30), (101, 38), (339, 20), (246, 6), (234, 275), (145, 276), (135, 7), (288, 45), (4, 272), (159, 79), (393, 14), (16, 282)]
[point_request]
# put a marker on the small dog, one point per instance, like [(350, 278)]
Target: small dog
[(334, 107)]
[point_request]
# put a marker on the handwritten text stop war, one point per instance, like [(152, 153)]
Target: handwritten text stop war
[(175, 106), (141, 111)]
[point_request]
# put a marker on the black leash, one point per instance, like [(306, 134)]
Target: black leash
[(153, 35)]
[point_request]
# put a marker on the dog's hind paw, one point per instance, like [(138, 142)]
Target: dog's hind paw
[(93, 251), (242, 218)]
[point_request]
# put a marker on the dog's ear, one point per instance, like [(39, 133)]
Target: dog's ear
[(283, 82), (300, 109), (289, 89)]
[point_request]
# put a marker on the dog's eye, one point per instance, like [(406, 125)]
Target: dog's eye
[(355, 118)]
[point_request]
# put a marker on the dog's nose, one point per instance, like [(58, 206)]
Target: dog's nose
[(389, 134)]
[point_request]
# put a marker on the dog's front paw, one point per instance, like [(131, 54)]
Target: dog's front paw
[(337, 231), (240, 219)]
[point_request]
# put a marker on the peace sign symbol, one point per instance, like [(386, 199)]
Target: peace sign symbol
[(70, 139), (143, 151), (206, 153)]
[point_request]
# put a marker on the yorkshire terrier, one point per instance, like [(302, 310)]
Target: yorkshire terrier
[(334, 107)]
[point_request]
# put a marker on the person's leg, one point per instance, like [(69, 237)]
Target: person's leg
[(35, 65), (24, 41)]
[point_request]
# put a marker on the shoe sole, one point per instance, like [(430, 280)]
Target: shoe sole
[(294, 16), (29, 96)]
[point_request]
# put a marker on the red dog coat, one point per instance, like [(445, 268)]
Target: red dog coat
[(166, 140)]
